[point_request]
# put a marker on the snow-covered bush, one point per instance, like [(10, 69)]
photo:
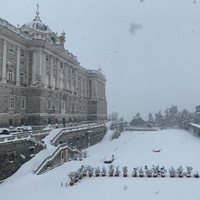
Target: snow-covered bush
[(163, 171), (180, 172), (103, 172), (141, 172), (189, 171), (72, 178), (117, 171), (149, 172), (84, 170), (97, 171), (90, 171), (135, 172), (125, 171), (172, 172), (196, 175), (111, 170), (76, 178)]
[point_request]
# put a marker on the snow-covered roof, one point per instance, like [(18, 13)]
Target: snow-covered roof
[(37, 24)]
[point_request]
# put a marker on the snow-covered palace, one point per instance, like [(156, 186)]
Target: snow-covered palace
[(41, 82)]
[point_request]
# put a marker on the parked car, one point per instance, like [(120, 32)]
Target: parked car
[(27, 128), (18, 129), (4, 131), (21, 129)]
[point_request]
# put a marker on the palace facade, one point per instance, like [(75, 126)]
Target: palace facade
[(41, 82)]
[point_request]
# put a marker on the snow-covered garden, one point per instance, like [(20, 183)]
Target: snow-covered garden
[(149, 151)]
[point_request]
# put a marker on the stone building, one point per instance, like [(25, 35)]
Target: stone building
[(41, 82)]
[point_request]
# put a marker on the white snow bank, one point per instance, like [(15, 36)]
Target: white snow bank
[(132, 149)]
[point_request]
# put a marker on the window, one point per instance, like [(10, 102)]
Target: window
[(49, 120), (22, 78), (61, 65), (11, 102), (56, 105), (11, 49), (10, 75), (47, 58), (22, 63), (10, 121), (23, 102), (63, 105), (22, 122), (49, 104), (22, 53), (30, 56)]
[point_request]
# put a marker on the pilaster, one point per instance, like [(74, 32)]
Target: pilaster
[(18, 67), (34, 65), (51, 71), (4, 61)]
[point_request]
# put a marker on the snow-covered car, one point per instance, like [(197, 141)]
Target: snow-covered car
[(108, 159), (21, 129), (18, 129), (27, 128), (4, 131)]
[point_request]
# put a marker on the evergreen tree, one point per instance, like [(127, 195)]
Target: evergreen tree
[(185, 119), (167, 117), (196, 115), (159, 119), (137, 120), (150, 121), (174, 116)]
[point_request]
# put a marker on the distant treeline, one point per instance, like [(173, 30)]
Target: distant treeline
[(171, 117)]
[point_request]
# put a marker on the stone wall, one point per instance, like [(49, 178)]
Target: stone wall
[(62, 154), (82, 138), (69, 143), (119, 125), (37, 100), (15, 153)]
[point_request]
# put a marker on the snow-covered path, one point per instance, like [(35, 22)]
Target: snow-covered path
[(132, 149)]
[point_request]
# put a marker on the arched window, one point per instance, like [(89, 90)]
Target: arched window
[(22, 78), (10, 75)]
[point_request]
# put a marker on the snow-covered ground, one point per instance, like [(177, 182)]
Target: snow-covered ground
[(132, 149)]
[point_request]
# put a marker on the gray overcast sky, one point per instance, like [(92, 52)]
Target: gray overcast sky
[(149, 51)]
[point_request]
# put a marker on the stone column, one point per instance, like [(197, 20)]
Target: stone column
[(66, 77), (34, 65), (18, 67), (76, 87), (104, 92), (51, 71), (94, 88), (43, 68), (44, 76), (4, 61), (59, 75), (70, 72)]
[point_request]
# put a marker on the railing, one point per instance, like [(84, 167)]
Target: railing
[(13, 138), (37, 142), (73, 129), (24, 136), (51, 157)]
